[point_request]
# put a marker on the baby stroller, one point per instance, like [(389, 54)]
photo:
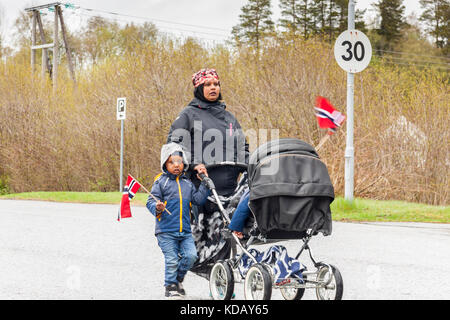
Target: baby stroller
[(290, 197)]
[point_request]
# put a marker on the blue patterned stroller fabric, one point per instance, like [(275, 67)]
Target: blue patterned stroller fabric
[(283, 266)]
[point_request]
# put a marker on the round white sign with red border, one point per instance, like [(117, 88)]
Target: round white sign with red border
[(353, 51)]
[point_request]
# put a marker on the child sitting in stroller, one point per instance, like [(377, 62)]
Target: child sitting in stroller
[(240, 216)]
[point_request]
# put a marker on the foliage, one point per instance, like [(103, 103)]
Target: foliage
[(70, 140), (327, 18), (436, 16), (255, 23), (392, 21)]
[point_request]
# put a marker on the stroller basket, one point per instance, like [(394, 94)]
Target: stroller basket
[(290, 190)]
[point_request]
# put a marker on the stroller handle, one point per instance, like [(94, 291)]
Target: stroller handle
[(208, 181), (210, 185), (227, 163)]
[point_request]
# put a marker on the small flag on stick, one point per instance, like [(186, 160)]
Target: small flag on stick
[(130, 189), (328, 118)]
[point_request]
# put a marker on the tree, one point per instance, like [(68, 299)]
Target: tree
[(342, 18), (99, 39), (289, 15), (436, 16), (329, 18), (392, 21), (295, 17), (255, 23), (305, 20), (1, 20), (318, 12)]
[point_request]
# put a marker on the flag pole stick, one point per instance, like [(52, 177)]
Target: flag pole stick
[(154, 198), (322, 141)]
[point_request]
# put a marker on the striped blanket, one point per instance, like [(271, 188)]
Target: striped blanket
[(283, 266)]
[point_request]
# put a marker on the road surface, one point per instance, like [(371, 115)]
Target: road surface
[(54, 250)]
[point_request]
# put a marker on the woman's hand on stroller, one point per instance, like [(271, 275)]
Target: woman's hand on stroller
[(201, 170)]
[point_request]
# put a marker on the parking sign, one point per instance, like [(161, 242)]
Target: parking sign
[(121, 108)]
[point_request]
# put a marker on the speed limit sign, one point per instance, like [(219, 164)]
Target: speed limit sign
[(353, 51)]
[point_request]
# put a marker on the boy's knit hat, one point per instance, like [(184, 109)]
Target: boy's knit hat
[(168, 149)]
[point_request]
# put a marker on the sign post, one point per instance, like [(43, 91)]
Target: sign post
[(121, 115), (353, 52)]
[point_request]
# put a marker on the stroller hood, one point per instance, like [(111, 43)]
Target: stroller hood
[(290, 189)]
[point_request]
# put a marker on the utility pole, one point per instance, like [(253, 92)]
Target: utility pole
[(55, 51), (58, 17), (33, 43), (66, 43), (45, 64)]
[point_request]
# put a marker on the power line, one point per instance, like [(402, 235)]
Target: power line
[(402, 62), (413, 60), (417, 65), (411, 54), (152, 19), (223, 36), (165, 28)]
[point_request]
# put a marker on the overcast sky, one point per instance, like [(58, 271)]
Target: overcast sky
[(207, 19)]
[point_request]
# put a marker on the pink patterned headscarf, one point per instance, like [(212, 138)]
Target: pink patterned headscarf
[(203, 75)]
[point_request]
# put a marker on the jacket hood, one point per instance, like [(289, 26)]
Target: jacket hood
[(206, 105), (170, 148)]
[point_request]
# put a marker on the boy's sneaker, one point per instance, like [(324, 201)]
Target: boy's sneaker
[(180, 289), (172, 291)]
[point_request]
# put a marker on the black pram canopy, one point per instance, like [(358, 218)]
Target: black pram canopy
[(290, 189)]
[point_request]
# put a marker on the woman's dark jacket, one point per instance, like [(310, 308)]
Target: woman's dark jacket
[(211, 134)]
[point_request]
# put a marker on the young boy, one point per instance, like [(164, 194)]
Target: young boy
[(175, 193)]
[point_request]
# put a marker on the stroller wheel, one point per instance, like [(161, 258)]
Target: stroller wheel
[(293, 293), (221, 281), (258, 283), (333, 286)]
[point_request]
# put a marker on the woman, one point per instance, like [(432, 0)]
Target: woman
[(210, 134)]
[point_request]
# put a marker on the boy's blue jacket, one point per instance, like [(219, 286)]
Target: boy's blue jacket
[(178, 193)]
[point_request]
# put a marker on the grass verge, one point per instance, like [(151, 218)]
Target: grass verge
[(358, 210)]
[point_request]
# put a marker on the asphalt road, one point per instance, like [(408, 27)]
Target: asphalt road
[(78, 251)]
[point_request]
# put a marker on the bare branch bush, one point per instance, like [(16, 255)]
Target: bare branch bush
[(71, 140)]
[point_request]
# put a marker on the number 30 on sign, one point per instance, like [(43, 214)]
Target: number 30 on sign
[(353, 51)]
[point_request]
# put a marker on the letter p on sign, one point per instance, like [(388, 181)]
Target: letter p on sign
[(121, 108)]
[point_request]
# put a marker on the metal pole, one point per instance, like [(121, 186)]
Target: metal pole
[(121, 155), (349, 150)]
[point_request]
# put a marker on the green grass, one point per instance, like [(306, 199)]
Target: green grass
[(358, 210), (393, 211), (77, 197)]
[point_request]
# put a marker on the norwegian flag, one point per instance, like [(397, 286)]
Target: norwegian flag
[(129, 191), (327, 116)]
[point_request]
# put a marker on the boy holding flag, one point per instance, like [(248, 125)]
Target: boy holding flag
[(174, 191)]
